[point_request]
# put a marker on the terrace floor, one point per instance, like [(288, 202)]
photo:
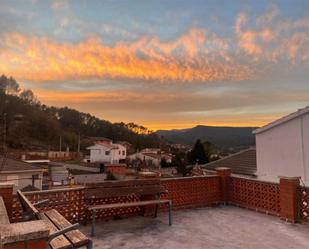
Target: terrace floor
[(212, 228)]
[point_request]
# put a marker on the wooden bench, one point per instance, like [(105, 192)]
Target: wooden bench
[(4, 218), (151, 189), (63, 235)]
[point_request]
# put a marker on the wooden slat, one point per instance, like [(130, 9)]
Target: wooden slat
[(75, 237), (4, 218), (60, 242), (125, 183), (128, 204), (123, 191), (27, 205)]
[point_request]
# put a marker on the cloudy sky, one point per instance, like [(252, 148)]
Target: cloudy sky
[(163, 64)]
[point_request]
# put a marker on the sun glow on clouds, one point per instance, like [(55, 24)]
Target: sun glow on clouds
[(195, 56), (248, 53), (187, 58)]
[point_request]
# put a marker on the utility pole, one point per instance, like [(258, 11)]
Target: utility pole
[(4, 132), (78, 145)]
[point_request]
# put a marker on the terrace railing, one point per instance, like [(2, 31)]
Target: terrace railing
[(272, 198)]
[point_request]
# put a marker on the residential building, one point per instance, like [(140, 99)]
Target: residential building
[(59, 174), (107, 152), (151, 157), (242, 163), (283, 147), (23, 175)]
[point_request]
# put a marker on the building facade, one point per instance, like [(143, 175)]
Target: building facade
[(107, 152), (151, 157), (282, 147)]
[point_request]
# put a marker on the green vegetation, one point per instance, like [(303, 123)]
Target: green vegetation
[(198, 154), (25, 123)]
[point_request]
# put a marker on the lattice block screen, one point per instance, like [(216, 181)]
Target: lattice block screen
[(261, 196), (109, 213), (70, 203), (304, 205), (192, 192)]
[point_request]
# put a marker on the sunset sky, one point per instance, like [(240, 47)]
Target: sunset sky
[(163, 64)]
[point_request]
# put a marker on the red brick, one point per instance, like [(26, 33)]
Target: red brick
[(19, 245), (36, 244)]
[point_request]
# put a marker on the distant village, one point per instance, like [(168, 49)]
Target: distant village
[(282, 148)]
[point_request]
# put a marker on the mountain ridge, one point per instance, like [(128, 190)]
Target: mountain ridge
[(222, 136)]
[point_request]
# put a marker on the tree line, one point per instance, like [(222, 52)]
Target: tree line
[(26, 123)]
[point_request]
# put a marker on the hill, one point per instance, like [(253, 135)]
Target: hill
[(223, 137), (25, 123)]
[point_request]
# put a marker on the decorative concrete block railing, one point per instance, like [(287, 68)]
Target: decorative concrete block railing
[(304, 204), (70, 202), (287, 200), (257, 195), (277, 199), (193, 192)]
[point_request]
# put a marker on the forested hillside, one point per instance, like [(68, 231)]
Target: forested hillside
[(224, 137), (25, 123)]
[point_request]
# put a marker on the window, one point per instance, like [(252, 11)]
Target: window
[(123, 152), (107, 153), (119, 152)]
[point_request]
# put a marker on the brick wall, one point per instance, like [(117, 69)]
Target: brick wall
[(6, 192), (192, 192), (189, 192), (69, 202), (255, 195), (28, 244)]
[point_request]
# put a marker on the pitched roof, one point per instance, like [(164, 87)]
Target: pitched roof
[(153, 155), (12, 165), (282, 120), (243, 162), (103, 144)]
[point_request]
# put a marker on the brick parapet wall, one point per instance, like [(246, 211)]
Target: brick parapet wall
[(70, 202), (192, 192), (255, 195), (289, 198), (188, 192), (6, 192)]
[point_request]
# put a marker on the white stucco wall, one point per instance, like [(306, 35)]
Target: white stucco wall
[(283, 150), (98, 153)]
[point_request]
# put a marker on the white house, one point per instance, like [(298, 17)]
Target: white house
[(282, 147), (151, 157), (107, 152)]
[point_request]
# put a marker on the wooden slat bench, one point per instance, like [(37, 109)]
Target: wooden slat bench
[(63, 235), (150, 188)]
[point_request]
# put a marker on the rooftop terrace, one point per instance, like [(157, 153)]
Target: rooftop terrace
[(210, 227), (201, 218)]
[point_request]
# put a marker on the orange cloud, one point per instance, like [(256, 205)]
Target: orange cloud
[(190, 57), (273, 38), (248, 39)]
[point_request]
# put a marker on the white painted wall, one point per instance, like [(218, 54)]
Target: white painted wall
[(283, 150), (105, 154)]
